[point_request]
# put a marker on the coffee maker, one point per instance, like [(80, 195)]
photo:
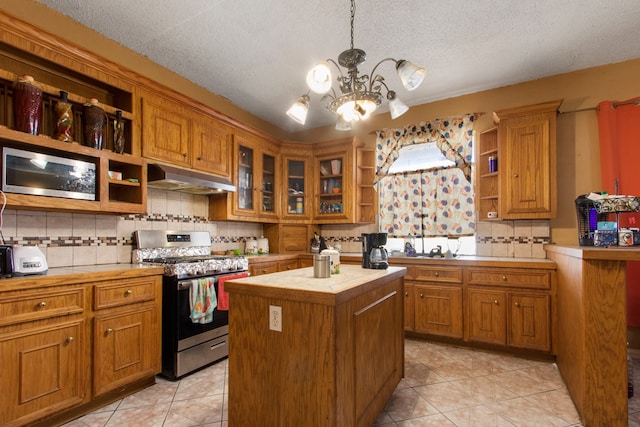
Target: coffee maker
[(374, 255)]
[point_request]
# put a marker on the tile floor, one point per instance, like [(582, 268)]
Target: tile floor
[(443, 386)]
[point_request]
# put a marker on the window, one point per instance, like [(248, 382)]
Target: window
[(431, 195)]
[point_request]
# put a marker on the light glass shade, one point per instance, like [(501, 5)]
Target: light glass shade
[(319, 78), (342, 124), (410, 74), (396, 107), (357, 110), (299, 109)]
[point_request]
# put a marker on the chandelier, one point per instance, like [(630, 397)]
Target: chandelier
[(359, 95)]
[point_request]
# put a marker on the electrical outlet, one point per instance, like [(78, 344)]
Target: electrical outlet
[(275, 318)]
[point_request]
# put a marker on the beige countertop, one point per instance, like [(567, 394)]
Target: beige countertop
[(300, 284), (79, 274)]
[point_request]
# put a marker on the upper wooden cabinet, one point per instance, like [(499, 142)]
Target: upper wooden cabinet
[(257, 176), (526, 157), (297, 203), (182, 137)]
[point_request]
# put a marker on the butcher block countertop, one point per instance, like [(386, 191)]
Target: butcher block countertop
[(79, 274), (300, 285)]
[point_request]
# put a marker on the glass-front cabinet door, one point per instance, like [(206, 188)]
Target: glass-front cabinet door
[(269, 185), (246, 170), (297, 202)]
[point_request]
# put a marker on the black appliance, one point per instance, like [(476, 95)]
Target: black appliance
[(588, 218), (374, 255), (186, 256)]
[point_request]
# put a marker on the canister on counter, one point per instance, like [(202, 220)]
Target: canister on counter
[(321, 266), (625, 237)]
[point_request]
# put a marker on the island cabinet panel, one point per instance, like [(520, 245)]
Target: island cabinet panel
[(338, 358)]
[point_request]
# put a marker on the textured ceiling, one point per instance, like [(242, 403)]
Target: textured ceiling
[(257, 53)]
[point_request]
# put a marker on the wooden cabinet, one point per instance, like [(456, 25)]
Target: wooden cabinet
[(272, 264), (367, 202), (126, 195), (174, 134), (509, 307), (297, 203), (409, 307), (126, 332), (527, 161), (437, 298), (55, 344), (43, 349), (258, 180), (289, 238), (488, 190)]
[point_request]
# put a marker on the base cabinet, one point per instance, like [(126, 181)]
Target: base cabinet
[(438, 310), (487, 316), (55, 344), (43, 371)]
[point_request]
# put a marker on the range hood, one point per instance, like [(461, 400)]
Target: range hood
[(172, 178)]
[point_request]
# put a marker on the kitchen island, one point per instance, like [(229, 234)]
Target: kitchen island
[(314, 351), (592, 329)]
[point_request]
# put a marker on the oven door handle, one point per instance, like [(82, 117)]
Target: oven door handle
[(186, 284)]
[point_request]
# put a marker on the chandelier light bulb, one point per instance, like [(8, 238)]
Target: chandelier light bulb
[(319, 78), (396, 106)]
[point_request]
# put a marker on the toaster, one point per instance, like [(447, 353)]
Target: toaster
[(28, 260)]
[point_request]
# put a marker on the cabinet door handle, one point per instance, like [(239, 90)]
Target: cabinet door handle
[(517, 304), (264, 270), (515, 175), (42, 304), (198, 158), (406, 294), (128, 292), (109, 331), (436, 274), (185, 155), (495, 301), (504, 278), (421, 295), (70, 340)]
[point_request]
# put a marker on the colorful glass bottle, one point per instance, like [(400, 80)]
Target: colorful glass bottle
[(94, 120), (118, 133), (27, 105), (64, 118)]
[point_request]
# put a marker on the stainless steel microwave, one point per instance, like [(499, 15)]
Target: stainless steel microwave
[(26, 172)]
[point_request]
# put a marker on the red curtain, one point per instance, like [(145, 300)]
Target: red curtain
[(619, 132)]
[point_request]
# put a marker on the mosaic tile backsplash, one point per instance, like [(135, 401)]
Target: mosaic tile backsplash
[(85, 239)]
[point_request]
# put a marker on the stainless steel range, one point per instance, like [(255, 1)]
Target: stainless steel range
[(188, 344)]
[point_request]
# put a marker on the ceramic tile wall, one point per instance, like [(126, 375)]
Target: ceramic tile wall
[(520, 238), (70, 239)]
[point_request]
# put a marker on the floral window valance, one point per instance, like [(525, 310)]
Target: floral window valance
[(453, 137), (438, 202)]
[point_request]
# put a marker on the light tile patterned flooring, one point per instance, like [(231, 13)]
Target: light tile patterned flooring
[(443, 386)]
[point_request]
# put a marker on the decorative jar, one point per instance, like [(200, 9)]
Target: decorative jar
[(27, 105)]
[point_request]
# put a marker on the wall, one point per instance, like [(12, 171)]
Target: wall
[(87, 239)]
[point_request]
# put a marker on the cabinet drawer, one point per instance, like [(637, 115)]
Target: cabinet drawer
[(33, 305), (437, 274), (117, 293), (506, 277), (263, 268), (288, 265)]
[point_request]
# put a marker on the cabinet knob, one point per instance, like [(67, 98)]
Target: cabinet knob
[(406, 294), (517, 304), (185, 155), (128, 292), (515, 175), (42, 304), (421, 295), (198, 158), (436, 274), (70, 340), (264, 270), (495, 301), (109, 331), (504, 278)]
